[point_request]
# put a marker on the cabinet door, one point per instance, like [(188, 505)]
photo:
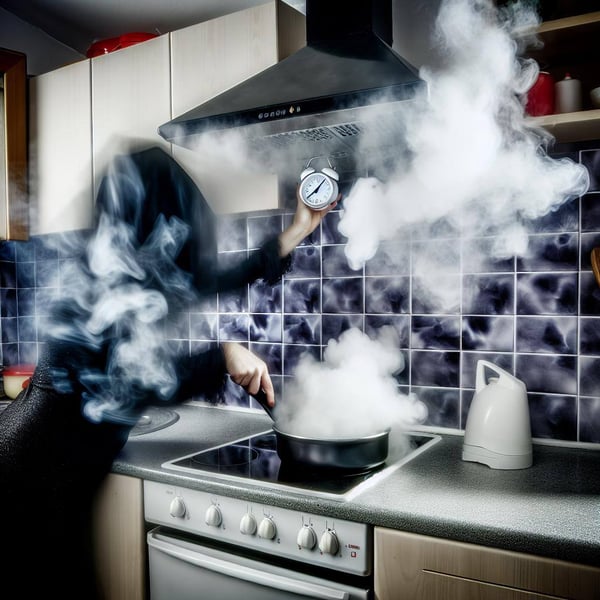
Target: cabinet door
[(60, 142), (119, 538), (414, 567), (130, 99), (207, 59)]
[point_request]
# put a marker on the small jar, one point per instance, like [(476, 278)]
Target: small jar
[(540, 98), (568, 95)]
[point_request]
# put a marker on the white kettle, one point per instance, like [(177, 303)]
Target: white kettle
[(498, 429)]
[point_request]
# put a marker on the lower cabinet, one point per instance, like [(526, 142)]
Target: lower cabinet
[(416, 567), (120, 542)]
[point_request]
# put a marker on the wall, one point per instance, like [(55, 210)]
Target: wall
[(538, 317)]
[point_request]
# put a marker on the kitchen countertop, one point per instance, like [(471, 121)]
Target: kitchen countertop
[(551, 509)]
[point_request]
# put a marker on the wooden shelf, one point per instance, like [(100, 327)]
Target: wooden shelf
[(572, 127)]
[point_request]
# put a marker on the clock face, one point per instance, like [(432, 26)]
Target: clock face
[(318, 191)]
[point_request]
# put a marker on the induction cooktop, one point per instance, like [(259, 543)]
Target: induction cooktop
[(254, 460)]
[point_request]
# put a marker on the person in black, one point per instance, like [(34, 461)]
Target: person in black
[(151, 255)]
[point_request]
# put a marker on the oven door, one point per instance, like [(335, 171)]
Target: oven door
[(189, 570)]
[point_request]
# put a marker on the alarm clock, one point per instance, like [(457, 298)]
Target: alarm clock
[(318, 189)]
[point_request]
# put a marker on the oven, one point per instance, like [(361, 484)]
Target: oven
[(207, 545)]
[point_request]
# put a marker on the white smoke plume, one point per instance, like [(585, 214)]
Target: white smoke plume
[(473, 158)]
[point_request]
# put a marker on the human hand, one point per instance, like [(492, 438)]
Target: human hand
[(248, 371), (305, 221)]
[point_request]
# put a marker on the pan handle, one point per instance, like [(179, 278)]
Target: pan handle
[(261, 398)]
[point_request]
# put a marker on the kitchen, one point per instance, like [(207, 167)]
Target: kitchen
[(535, 317)]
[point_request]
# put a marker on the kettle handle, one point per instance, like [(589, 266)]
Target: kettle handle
[(480, 381)]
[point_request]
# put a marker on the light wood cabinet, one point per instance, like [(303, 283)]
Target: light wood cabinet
[(120, 541), (208, 59), (414, 567), (60, 149)]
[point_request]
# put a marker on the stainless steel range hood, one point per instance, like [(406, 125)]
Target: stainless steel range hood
[(343, 87)]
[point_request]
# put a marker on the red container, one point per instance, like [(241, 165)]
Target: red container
[(116, 43), (540, 98)]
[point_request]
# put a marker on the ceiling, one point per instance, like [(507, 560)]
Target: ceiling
[(79, 23)]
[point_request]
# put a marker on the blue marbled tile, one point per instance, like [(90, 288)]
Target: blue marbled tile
[(25, 274), (387, 295), (494, 334), (8, 274), (435, 333), (549, 334), (10, 331), (10, 354), (26, 302), (391, 258), (589, 376), (265, 298), (45, 247), (28, 353), (436, 294), (344, 295), (553, 417), (196, 346), (231, 233), (302, 329), (443, 406), (440, 228), (335, 263), (466, 399), (334, 325), (441, 256), (306, 262), (478, 257), (204, 326), (271, 354), (589, 335), (470, 360), (329, 229), (589, 295), (233, 327), (260, 229), (292, 354), (590, 213), (233, 302), (46, 273), (589, 420), (588, 242), (177, 326), (551, 252), (44, 299), (488, 294), (8, 302), (547, 294), (207, 303), (564, 218), (27, 329), (314, 239), (400, 324), (547, 374), (25, 251), (433, 368), (302, 296), (265, 328), (8, 251), (591, 160)]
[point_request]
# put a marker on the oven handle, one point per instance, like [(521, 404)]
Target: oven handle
[(285, 584)]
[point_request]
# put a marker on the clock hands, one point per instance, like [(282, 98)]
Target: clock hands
[(316, 189)]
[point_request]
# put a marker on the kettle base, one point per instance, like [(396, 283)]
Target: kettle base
[(495, 460)]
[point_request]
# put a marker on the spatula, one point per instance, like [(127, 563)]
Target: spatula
[(596, 263)]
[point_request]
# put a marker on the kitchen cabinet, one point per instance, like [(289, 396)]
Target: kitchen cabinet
[(119, 538), (570, 45), (413, 567), (60, 149), (211, 57)]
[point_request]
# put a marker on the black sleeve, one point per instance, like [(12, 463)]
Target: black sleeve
[(201, 374)]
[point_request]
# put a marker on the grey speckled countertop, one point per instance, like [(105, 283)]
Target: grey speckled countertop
[(551, 509)]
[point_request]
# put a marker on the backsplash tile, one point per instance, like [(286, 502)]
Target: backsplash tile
[(537, 316)]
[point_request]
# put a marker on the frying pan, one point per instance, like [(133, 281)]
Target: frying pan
[(340, 454)]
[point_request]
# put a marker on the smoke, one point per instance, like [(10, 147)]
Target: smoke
[(473, 161)]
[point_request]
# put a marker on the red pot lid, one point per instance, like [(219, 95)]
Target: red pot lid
[(19, 370), (122, 41)]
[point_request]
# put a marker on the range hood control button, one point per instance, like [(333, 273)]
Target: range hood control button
[(329, 543), (307, 538), (267, 529), (213, 516), (177, 507), (248, 524)]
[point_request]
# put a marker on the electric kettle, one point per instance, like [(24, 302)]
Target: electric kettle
[(498, 430)]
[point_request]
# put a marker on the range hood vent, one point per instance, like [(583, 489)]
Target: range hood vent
[(327, 98)]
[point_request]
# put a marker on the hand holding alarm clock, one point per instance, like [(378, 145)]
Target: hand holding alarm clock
[(318, 189)]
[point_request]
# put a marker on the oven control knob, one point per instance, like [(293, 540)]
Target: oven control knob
[(329, 543), (177, 507), (213, 516), (307, 538), (248, 524), (267, 529)]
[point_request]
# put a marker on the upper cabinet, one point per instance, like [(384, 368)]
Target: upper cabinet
[(570, 45)]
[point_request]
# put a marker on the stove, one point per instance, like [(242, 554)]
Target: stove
[(254, 460)]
